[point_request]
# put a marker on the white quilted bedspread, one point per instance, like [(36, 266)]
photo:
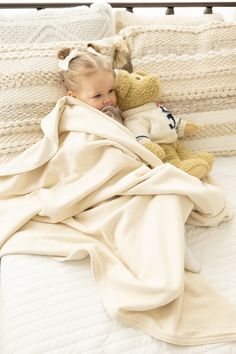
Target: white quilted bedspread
[(48, 307)]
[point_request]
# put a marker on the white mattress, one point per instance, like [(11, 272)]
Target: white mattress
[(48, 307)]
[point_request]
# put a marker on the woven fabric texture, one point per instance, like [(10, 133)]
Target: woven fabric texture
[(197, 70), (49, 25), (30, 85), (125, 19)]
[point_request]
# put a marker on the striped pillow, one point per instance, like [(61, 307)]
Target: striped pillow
[(197, 70), (217, 132), (30, 85)]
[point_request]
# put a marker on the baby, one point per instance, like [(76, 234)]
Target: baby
[(89, 77)]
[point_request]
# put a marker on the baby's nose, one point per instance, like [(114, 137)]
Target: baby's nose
[(106, 99)]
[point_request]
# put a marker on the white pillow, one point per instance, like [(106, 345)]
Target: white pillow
[(125, 19), (70, 24)]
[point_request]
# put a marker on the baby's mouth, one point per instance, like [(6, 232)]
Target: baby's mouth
[(105, 107), (109, 110)]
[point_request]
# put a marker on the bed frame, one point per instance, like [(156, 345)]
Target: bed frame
[(129, 5)]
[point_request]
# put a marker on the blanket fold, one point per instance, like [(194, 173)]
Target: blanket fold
[(88, 188)]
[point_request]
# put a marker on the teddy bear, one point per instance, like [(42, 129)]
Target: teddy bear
[(154, 126)]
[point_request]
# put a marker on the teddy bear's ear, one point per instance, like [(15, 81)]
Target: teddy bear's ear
[(142, 73), (122, 83), (120, 53)]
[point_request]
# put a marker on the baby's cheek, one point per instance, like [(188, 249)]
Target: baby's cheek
[(114, 100)]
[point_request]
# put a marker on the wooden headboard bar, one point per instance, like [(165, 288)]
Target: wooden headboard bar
[(128, 5)]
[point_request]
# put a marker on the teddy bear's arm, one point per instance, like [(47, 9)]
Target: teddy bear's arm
[(139, 127), (182, 126), (155, 148), (186, 128)]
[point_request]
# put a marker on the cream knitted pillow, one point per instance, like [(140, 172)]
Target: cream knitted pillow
[(125, 19), (50, 25), (217, 131), (30, 85), (197, 70)]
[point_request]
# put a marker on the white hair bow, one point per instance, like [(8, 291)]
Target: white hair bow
[(92, 50), (64, 63)]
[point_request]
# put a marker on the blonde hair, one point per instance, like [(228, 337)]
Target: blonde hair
[(84, 64)]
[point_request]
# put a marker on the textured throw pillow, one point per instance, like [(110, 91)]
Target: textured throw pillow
[(49, 25), (125, 19), (30, 85), (197, 70), (217, 132)]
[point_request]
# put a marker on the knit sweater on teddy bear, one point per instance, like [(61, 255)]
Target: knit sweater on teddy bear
[(153, 122)]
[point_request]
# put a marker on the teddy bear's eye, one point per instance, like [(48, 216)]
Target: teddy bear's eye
[(137, 77)]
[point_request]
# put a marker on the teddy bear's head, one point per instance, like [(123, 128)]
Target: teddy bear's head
[(135, 89)]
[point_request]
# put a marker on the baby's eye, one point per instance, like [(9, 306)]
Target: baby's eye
[(111, 90), (97, 96)]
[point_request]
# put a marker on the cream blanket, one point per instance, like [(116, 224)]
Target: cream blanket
[(88, 188)]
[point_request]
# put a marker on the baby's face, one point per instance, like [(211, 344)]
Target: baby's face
[(97, 90)]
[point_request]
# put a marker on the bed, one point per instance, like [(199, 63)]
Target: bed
[(48, 306)]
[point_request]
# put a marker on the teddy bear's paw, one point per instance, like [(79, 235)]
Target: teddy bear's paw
[(194, 167), (206, 156), (185, 154), (197, 167), (190, 128), (155, 149)]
